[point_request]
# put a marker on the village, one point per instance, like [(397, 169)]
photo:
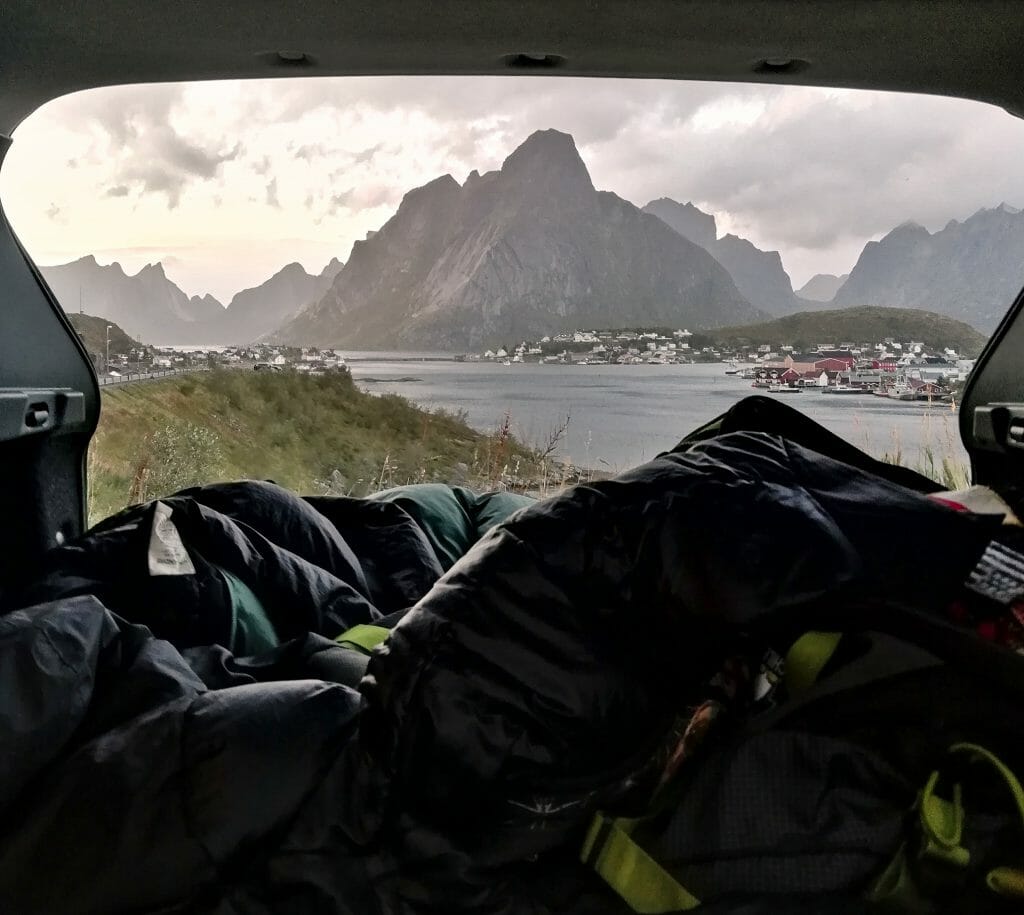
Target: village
[(902, 370), (155, 360)]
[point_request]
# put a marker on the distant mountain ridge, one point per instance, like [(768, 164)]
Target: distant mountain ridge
[(530, 249), (759, 275), (147, 304), (534, 248), (150, 307), (822, 287), (254, 312), (970, 270)]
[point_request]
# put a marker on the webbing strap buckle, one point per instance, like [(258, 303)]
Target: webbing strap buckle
[(645, 886)]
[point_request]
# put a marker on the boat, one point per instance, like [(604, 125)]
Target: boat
[(733, 369), (784, 389), (507, 362), (895, 392), (843, 389)]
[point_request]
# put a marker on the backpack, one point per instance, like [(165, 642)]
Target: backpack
[(874, 770), (883, 780)]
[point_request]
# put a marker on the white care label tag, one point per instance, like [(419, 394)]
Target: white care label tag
[(167, 553)]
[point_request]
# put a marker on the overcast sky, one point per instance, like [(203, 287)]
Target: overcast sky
[(226, 182)]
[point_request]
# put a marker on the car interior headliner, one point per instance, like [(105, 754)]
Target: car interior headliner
[(970, 48)]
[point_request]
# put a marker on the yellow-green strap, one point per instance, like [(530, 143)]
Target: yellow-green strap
[(980, 754), (363, 637), (806, 659), (645, 886), (941, 821)]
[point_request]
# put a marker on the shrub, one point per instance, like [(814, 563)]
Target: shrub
[(173, 457)]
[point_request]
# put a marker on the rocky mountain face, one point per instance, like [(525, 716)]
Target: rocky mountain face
[(147, 305), (970, 270), (153, 309), (822, 287), (759, 275), (514, 254), (688, 220)]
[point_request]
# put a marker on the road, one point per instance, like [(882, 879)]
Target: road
[(133, 377)]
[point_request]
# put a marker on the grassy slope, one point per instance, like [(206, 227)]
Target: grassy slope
[(869, 324), (311, 434), (93, 332)]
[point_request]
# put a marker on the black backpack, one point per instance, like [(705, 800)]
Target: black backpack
[(869, 771)]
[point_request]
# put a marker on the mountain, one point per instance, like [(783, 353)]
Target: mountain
[(252, 313), (147, 305), (822, 287), (514, 254), (93, 331), (759, 275), (689, 221), (970, 270), (151, 307), (862, 325)]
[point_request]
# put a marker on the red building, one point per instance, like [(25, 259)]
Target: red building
[(833, 365)]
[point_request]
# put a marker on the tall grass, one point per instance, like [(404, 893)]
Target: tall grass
[(311, 434), (939, 455)]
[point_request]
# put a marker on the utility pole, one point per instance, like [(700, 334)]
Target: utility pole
[(107, 363)]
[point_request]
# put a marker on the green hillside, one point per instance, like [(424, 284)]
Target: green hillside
[(93, 332), (862, 325), (311, 434)]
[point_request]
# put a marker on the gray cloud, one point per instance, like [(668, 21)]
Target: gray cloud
[(800, 170), (148, 151), (310, 151), (366, 155), (118, 190), (165, 162), (272, 200), (340, 200)]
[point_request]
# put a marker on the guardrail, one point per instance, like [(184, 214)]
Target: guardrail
[(129, 377)]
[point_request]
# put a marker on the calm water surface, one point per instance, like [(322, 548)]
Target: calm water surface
[(623, 415)]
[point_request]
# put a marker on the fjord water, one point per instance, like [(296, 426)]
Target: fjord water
[(623, 415)]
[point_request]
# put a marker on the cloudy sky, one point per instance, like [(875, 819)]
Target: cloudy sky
[(226, 182)]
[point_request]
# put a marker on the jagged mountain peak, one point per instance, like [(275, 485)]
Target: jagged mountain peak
[(332, 269), (153, 271), (908, 228), (292, 269), (969, 271), (759, 275), (528, 250), (444, 185), (688, 220), (548, 158)]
